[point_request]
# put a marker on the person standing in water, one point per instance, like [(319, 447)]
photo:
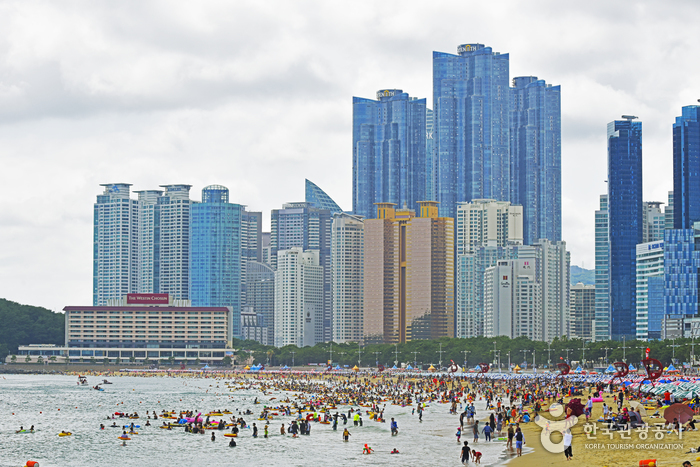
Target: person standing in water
[(346, 435), (255, 431), (466, 450), (476, 431)]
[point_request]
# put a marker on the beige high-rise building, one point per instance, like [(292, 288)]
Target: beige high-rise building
[(409, 274)]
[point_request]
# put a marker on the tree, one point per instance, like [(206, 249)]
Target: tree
[(13, 359), (226, 361), (171, 360), (92, 360), (40, 360), (197, 361), (118, 361), (53, 359), (28, 359), (132, 359), (105, 361)]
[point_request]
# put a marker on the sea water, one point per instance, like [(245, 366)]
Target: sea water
[(27, 400)]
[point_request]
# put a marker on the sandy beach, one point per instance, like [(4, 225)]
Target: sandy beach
[(601, 450)]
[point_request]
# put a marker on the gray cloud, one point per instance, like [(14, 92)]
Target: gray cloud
[(257, 96)]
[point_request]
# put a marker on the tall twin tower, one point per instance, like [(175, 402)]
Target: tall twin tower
[(483, 139)]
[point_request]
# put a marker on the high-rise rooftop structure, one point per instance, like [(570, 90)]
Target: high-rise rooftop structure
[(686, 168), (389, 163), (347, 265), (299, 312), (601, 326), (668, 212), (653, 222), (625, 221), (115, 244), (408, 274), (319, 199), (535, 148), (471, 105), (215, 252), (301, 225)]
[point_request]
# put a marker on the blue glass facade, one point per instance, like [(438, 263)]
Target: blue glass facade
[(388, 160), (215, 252), (625, 222), (686, 168), (535, 148), (319, 198), (471, 133), (655, 300), (681, 263)]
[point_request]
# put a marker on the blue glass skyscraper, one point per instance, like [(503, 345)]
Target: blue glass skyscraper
[(215, 252), (471, 126), (535, 148), (686, 168), (319, 198), (388, 159), (624, 222)]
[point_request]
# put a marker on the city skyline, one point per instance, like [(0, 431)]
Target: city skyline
[(154, 111)]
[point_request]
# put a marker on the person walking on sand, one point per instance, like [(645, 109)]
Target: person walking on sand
[(568, 438)]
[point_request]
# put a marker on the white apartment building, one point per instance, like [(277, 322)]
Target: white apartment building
[(347, 273), (487, 222), (486, 230), (534, 299), (298, 298), (650, 263), (513, 300), (115, 244)]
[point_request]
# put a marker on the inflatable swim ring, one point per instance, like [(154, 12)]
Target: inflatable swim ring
[(65, 434)]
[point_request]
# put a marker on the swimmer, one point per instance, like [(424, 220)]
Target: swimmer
[(395, 451), (282, 430), (346, 434), (232, 443), (213, 436), (102, 427), (367, 450), (394, 427)]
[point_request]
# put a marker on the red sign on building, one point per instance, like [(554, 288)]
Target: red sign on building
[(147, 299)]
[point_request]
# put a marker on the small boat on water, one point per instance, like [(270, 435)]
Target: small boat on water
[(104, 381), (82, 380)]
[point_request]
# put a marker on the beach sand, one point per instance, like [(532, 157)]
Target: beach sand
[(603, 451)]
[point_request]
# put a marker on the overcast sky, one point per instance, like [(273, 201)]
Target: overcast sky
[(257, 96)]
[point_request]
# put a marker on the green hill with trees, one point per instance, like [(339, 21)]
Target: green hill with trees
[(26, 324)]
